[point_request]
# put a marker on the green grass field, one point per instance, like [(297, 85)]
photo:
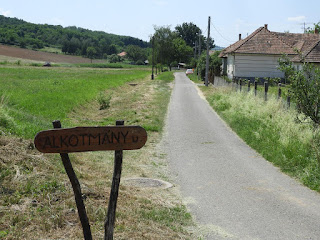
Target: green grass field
[(33, 97)]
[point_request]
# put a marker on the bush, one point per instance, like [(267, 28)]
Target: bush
[(114, 58), (139, 62), (104, 100), (305, 87)]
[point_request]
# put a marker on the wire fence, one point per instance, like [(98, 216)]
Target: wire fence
[(261, 91)]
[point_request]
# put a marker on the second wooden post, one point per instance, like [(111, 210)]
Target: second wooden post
[(111, 215)]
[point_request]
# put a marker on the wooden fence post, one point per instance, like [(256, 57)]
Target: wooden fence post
[(249, 83), (111, 215), (76, 190), (288, 100), (279, 91), (255, 87), (266, 91), (240, 82)]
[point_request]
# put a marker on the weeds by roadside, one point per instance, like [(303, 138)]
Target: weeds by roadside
[(272, 131), (104, 100)]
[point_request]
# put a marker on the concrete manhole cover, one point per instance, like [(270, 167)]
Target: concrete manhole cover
[(146, 183)]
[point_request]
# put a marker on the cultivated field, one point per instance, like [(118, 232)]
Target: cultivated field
[(39, 56)]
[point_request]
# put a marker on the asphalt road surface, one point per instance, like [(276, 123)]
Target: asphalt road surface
[(232, 192)]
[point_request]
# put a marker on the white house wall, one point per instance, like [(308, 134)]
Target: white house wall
[(252, 65), (230, 66)]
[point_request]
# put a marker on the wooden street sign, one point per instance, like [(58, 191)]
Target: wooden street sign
[(82, 139)]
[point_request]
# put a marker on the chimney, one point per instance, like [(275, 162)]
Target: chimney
[(239, 36), (316, 30), (266, 26)]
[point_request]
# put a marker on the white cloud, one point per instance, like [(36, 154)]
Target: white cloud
[(5, 13), (297, 19)]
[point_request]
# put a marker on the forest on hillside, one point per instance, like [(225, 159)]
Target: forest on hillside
[(71, 40)]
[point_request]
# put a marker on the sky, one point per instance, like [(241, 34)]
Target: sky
[(137, 18)]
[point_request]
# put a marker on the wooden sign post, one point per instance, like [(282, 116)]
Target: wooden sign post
[(82, 139)]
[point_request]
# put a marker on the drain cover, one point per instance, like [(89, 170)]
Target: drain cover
[(146, 183)]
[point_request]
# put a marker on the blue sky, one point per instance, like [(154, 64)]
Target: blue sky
[(138, 18)]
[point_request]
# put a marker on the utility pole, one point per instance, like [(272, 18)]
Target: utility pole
[(152, 76), (199, 43), (207, 60), (199, 53)]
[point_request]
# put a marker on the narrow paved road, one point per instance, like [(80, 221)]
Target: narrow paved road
[(232, 192)]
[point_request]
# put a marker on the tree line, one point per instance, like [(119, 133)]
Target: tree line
[(180, 45), (71, 40), (170, 47)]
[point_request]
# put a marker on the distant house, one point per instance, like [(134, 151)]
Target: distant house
[(257, 55), (122, 54), (181, 65)]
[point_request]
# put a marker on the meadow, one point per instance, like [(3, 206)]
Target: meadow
[(32, 97)]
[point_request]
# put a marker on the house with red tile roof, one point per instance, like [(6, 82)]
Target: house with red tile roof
[(122, 54), (256, 56)]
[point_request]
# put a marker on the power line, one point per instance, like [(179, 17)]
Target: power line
[(203, 33), (221, 34)]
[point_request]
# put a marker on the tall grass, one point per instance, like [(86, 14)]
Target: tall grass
[(37, 96), (272, 131)]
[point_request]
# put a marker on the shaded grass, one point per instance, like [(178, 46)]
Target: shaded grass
[(272, 131)]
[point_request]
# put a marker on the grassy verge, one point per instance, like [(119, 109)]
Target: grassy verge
[(194, 77), (36, 198), (272, 131)]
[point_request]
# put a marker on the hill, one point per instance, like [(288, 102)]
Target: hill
[(72, 40), (217, 48)]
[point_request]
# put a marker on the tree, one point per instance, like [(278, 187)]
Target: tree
[(136, 53), (104, 45), (305, 87), (112, 49), (23, 43), (214, 64), (182, 52), (316, 26), (163, 45), (91, 52), (190, 33)]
